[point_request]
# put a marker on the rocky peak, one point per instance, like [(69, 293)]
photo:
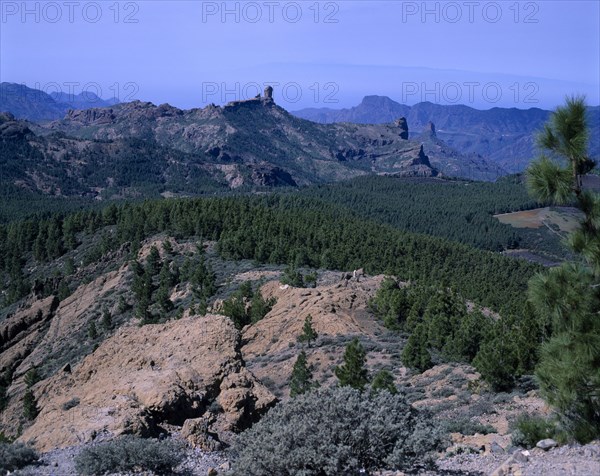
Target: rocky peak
[(429, 130), (377, 101), (90, 116), (6, 116), (267, 99)]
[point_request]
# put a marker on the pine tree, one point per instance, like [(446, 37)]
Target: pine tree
[(167, 247), (467, 338), (30, 406), (497, 360), (568, 296), (153, 262), (308, 332), (383, 380), (415, 354), (260, 307), (63, 290), (32, 377), (4, 384), (353, 372), (92, 331), (106, 320), (301, 380)]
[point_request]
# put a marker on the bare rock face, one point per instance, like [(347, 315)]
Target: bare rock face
[(22, 332), (266, 175), (269, 93), (91, 116), (144, 377)]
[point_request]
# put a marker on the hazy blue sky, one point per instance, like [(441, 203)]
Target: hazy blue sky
[(318, 54)]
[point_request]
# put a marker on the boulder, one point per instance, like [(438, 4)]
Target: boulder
[(496, 448), (196, 431), (546, 444)]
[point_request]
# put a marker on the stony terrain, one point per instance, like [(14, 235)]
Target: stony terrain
[(200, 380), (146, 377)]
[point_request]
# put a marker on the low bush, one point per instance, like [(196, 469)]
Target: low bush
[(129, 453), (531, 429), (337, 431), (15, 456), (468, 427)]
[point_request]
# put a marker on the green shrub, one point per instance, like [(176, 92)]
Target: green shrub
[(466, 426), (15, 456), (129, 453), (531, 429), (383, 380), (336, 431)]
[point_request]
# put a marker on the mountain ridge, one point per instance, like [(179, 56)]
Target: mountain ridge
[(119, 150), (36, 105), (504, 135)]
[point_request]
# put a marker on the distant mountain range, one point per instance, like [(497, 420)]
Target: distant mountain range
[(257, 143), (36, 105), (140, 149), (505, 136)]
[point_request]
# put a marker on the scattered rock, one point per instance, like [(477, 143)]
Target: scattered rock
[(521, 456), (546, 444), (496, 448), (196, 431)]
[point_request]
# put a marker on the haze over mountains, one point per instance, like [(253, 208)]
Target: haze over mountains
[(36, 105), (131, 147), (505, 136), (109, 149)]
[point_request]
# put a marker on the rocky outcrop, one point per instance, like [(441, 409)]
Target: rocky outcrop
[(414, 163), (88, 117), (429, 130), (338, 309), (145, 377), (403, 126), (269, 93), (21, 332), (266, 175), (10, 128)]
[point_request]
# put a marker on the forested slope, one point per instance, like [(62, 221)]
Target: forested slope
[(273, 229)]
